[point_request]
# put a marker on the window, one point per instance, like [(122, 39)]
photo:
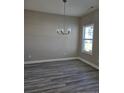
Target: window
[(87, 39)]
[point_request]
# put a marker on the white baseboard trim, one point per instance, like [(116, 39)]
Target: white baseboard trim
[(50, 60), (62, 59), (88, 62)]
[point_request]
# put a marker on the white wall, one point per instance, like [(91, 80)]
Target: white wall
[(41, 39), (91, 18)]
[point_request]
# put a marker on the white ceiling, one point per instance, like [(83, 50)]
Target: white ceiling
[(73, 7)]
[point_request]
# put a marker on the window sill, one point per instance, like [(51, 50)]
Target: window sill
[(88, 53)]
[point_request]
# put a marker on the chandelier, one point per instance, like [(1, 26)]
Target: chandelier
[(64, 30)]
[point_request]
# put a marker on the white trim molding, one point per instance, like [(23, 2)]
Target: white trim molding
[(88, 62), (62, 59), (50, 60)]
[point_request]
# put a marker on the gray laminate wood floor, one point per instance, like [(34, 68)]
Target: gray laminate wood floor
[(71, 76)]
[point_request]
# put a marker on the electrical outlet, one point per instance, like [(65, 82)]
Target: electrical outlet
[(64, 54), (29, 56)]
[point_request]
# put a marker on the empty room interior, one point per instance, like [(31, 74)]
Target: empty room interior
[(61, 46)]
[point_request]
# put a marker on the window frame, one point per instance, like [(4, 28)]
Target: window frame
[(83, 39)]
